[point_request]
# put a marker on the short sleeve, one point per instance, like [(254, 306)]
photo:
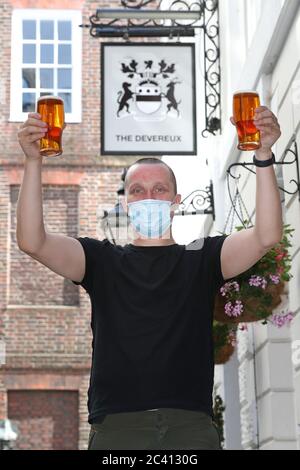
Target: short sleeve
[(92, 250), (212, 250)]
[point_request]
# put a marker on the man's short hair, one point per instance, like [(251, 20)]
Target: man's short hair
[(153, 161)]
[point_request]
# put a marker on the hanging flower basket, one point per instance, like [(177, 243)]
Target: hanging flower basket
[(223, 354), (253, 295), (224, 342), (254, 308)]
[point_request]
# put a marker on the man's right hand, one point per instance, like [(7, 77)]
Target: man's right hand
[(61, 254), (29, 135)]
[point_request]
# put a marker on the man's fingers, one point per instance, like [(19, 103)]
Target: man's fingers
[(267, 130), (32, 130), (33, 121), (264, 114), (261, 109), (34, 115), (267, 120), (36, 122), (35, 138)]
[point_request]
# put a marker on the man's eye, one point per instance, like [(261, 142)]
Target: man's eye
[(159, 189)]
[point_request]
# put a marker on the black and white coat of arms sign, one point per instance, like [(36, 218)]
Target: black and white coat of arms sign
[(148, 99)]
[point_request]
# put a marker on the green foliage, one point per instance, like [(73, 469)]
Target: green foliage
[(277, 260), (273, 268), (223, 334), (218, 410)]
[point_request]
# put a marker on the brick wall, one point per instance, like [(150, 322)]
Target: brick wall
[(81, 141), (45, 420), (44, 318), (30, 282)]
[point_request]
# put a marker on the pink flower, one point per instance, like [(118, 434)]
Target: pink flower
[(280, 256), (254, 281), (232, 339), (274, 278), (238, 309), (234, 310), (223, 291), (281, 319), (228, 287), (258, 281), (228, 308), (235, 286)]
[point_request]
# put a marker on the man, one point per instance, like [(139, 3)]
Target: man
[(152, 300)]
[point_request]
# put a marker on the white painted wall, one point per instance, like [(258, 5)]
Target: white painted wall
[(260, 49), (269, 381)]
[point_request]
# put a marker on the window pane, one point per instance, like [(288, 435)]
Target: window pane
[(28, 78), (64, 78), (47, 54), (64, 54), (47, 29), (46, 93), (46, 77), (64, 30), (28, 102), (29, 54), (29, 29), (67, 97)]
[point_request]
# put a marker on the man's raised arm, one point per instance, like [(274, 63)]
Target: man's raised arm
[(62, 254), (241, 250)]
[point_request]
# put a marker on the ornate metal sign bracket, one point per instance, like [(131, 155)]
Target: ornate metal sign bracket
[(199, 202), (181, 19), (133, 20), (292, 148)]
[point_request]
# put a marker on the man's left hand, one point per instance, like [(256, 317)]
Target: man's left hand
[(267, 123)]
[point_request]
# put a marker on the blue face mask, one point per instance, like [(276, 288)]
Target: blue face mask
[(150, 217)]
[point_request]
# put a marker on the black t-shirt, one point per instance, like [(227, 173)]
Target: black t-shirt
[(152, 312)]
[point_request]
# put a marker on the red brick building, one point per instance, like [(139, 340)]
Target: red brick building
[(44, 318)]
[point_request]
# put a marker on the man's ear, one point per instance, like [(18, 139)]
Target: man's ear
[(175, 203)]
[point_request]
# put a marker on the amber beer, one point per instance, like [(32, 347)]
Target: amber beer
[(51, 109), (244, 104)]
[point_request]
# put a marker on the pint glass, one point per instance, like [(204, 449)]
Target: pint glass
[(51, 109), (244, 105)]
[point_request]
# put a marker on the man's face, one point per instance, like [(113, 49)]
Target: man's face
[(146, 181)]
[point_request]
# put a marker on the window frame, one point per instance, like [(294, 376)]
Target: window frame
[(18, 15)]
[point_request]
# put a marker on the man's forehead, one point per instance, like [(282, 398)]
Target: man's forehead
[(148, 173)]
